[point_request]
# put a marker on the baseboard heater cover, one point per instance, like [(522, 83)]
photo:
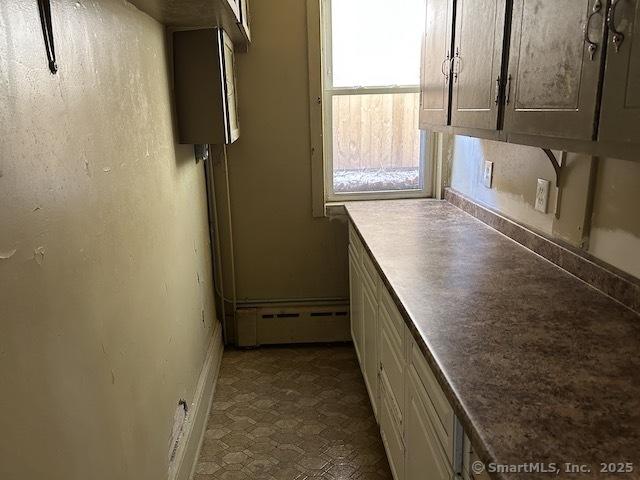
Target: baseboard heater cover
[(271, 325)]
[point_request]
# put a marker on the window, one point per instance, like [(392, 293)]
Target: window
[(371, 69)]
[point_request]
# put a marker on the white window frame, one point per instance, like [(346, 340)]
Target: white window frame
[(328, 92)]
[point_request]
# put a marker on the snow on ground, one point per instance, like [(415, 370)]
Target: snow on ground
[(367, 180)]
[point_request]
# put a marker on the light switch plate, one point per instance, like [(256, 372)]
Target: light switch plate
[(542, 195), (487, 175)]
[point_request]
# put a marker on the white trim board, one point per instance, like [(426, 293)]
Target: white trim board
[(183, 468)]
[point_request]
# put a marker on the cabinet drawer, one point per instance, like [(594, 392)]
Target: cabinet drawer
[(355, 243), (424, 456), (391, 363), (390, 431), (443, 421), (370, 274), (392, 312)]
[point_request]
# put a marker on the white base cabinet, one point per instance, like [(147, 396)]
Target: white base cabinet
[(423, 452), (416, 420)]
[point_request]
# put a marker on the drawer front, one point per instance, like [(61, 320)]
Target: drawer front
[(424, 456), (390, 431), (370, 327), (370, 274), (443, 420), (391, 363), (356, 306), (355, 243), (392, 312)]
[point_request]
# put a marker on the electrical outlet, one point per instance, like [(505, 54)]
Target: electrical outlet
[(542, 195), (487, 175)]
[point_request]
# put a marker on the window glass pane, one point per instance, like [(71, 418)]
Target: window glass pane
[(376, 42), (376, 143)]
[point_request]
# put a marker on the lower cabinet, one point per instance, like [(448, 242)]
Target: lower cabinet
[(424, 455), (355, 304), (416, 420), (370, 327), (391, 431)]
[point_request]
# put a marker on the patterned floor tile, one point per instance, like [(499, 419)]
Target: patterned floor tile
[(291, 413)]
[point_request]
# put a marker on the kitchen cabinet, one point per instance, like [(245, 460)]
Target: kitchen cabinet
[(417, 423), (620, 114), (230, 15), (424, 455), (364, 283), (370, 325), (436, 63), (205, 87), (391, 431), (556, 75), (477, 63), (245, 19), (392, 355), (356, 305), (553, 76), (235, 7)]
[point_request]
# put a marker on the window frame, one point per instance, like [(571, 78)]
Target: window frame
[(328, 92)]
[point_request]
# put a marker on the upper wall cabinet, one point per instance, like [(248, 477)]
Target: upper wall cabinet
[(205, 88), (620, 116), (554, 68), (227, 14), (477, 63), (554, 74), (245, 18), (436, 63)]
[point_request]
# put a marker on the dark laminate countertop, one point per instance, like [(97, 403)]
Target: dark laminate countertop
[(540, 367)]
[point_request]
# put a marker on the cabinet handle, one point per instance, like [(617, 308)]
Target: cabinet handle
[(508, 99), (497, 90), (591, 46), (618, 36), (456, 71), (446, 74)]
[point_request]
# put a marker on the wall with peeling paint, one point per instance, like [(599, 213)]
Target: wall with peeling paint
[(611, 233), (106, 305), (281, 251)]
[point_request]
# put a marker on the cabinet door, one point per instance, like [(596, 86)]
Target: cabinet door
[(477, 63), (424, 458), (436, 64), (370, 321), (552, 87), (231, 104), (391, 433), (245, 19), (620, 115), (356, 304), (235, 7)]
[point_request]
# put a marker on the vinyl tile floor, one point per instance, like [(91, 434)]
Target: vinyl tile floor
[(292, 413)]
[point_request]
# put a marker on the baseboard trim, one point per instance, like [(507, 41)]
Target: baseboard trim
[(189, 450)]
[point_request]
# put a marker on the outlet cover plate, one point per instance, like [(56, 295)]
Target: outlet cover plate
[(487, 174), (542, 195)]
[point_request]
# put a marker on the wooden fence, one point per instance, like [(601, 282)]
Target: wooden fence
[(375, 131)]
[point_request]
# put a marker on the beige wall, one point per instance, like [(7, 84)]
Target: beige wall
[(281, 251), (103, 236), (614, 235), (615, 232)]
